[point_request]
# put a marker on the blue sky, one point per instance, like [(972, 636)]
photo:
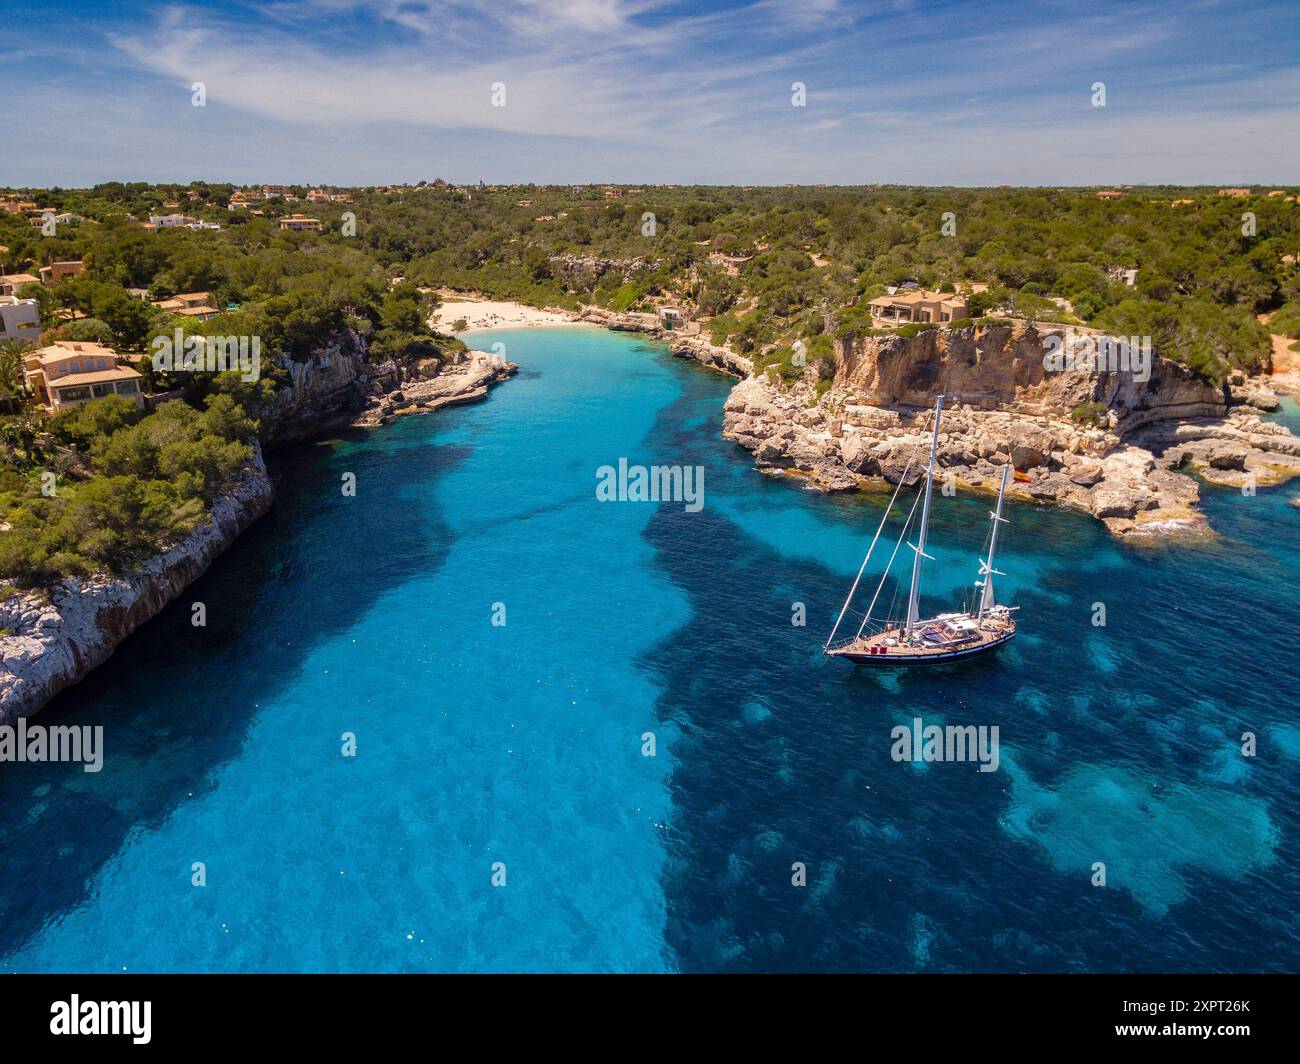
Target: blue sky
[(642, 91)]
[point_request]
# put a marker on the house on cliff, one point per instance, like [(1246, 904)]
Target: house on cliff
[(196, 305), (920, 305), (69, 372)]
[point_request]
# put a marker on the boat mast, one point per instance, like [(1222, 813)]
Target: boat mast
[(987, 570), (914, 596)]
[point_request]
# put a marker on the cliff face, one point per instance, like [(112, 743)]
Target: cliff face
[(337, 386), (59, 637), (584, 272), (1003, 368), (326, 391), (1004, 406)]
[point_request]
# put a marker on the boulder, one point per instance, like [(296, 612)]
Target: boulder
[(1229, 456), (854, 452), (1118, 500), (1030, 446), (1087, 474), (426, 369)]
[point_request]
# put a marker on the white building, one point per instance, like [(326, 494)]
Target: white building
[(19, 319), (169, 221)]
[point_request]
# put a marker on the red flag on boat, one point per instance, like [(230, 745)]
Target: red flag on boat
[(1021, 476)]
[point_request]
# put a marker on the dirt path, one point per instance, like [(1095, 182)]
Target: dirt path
[(1286, 363)]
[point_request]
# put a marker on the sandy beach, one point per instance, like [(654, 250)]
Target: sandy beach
[(491, 314)]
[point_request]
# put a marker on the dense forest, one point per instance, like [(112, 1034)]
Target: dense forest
[(805, 260), (762, 267)]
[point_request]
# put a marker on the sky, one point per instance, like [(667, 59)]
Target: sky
[(643, 91)]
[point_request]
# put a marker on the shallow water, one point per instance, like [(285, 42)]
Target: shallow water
[(523, 743)]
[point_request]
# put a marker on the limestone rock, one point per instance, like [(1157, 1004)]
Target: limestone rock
[(1229, 457), (1087, 474), (60, 635)]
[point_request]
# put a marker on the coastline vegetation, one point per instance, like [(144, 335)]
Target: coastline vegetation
[(779, 274), (107, 485)]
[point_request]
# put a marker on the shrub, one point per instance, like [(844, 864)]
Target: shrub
[(153, 476), (915, 328), (1090, 415)]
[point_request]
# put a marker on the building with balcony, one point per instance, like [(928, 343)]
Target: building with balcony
[(69, 372), (919, 306)]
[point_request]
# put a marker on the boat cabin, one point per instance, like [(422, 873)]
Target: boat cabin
[(947, 629)]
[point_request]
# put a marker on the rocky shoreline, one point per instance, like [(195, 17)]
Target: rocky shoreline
[(1137, 471), (465, 382), (62, 633), (53, 637), (682, 345)]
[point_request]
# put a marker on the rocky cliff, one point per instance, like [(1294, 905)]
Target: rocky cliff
[(464, 381), (583, 273), (337, 386), (57, 636), (326, 391), (1113, 443), (1107, 442)]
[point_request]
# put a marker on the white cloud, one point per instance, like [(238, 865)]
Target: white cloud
[(644, 90)]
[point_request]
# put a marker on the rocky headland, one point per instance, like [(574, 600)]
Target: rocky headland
[(1130, 452), (338, 387), (430, 388), (1127, 451)]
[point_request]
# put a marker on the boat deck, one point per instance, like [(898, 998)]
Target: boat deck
[(887, 647)]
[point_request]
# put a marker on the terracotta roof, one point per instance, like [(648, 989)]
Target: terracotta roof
[(120, 373), (918, 296), (62, 349)]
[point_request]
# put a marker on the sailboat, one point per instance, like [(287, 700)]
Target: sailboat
[(946, 637)]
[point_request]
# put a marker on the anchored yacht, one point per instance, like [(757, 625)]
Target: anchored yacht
[(946, 637)]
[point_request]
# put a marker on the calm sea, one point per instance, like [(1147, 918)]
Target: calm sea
[(516, 750)]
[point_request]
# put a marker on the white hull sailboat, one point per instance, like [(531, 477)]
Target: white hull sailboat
[(945, 638)]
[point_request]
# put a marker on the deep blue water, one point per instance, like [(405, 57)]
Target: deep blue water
[(522, 744)]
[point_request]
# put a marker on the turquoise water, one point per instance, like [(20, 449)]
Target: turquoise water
[(522, 744)]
